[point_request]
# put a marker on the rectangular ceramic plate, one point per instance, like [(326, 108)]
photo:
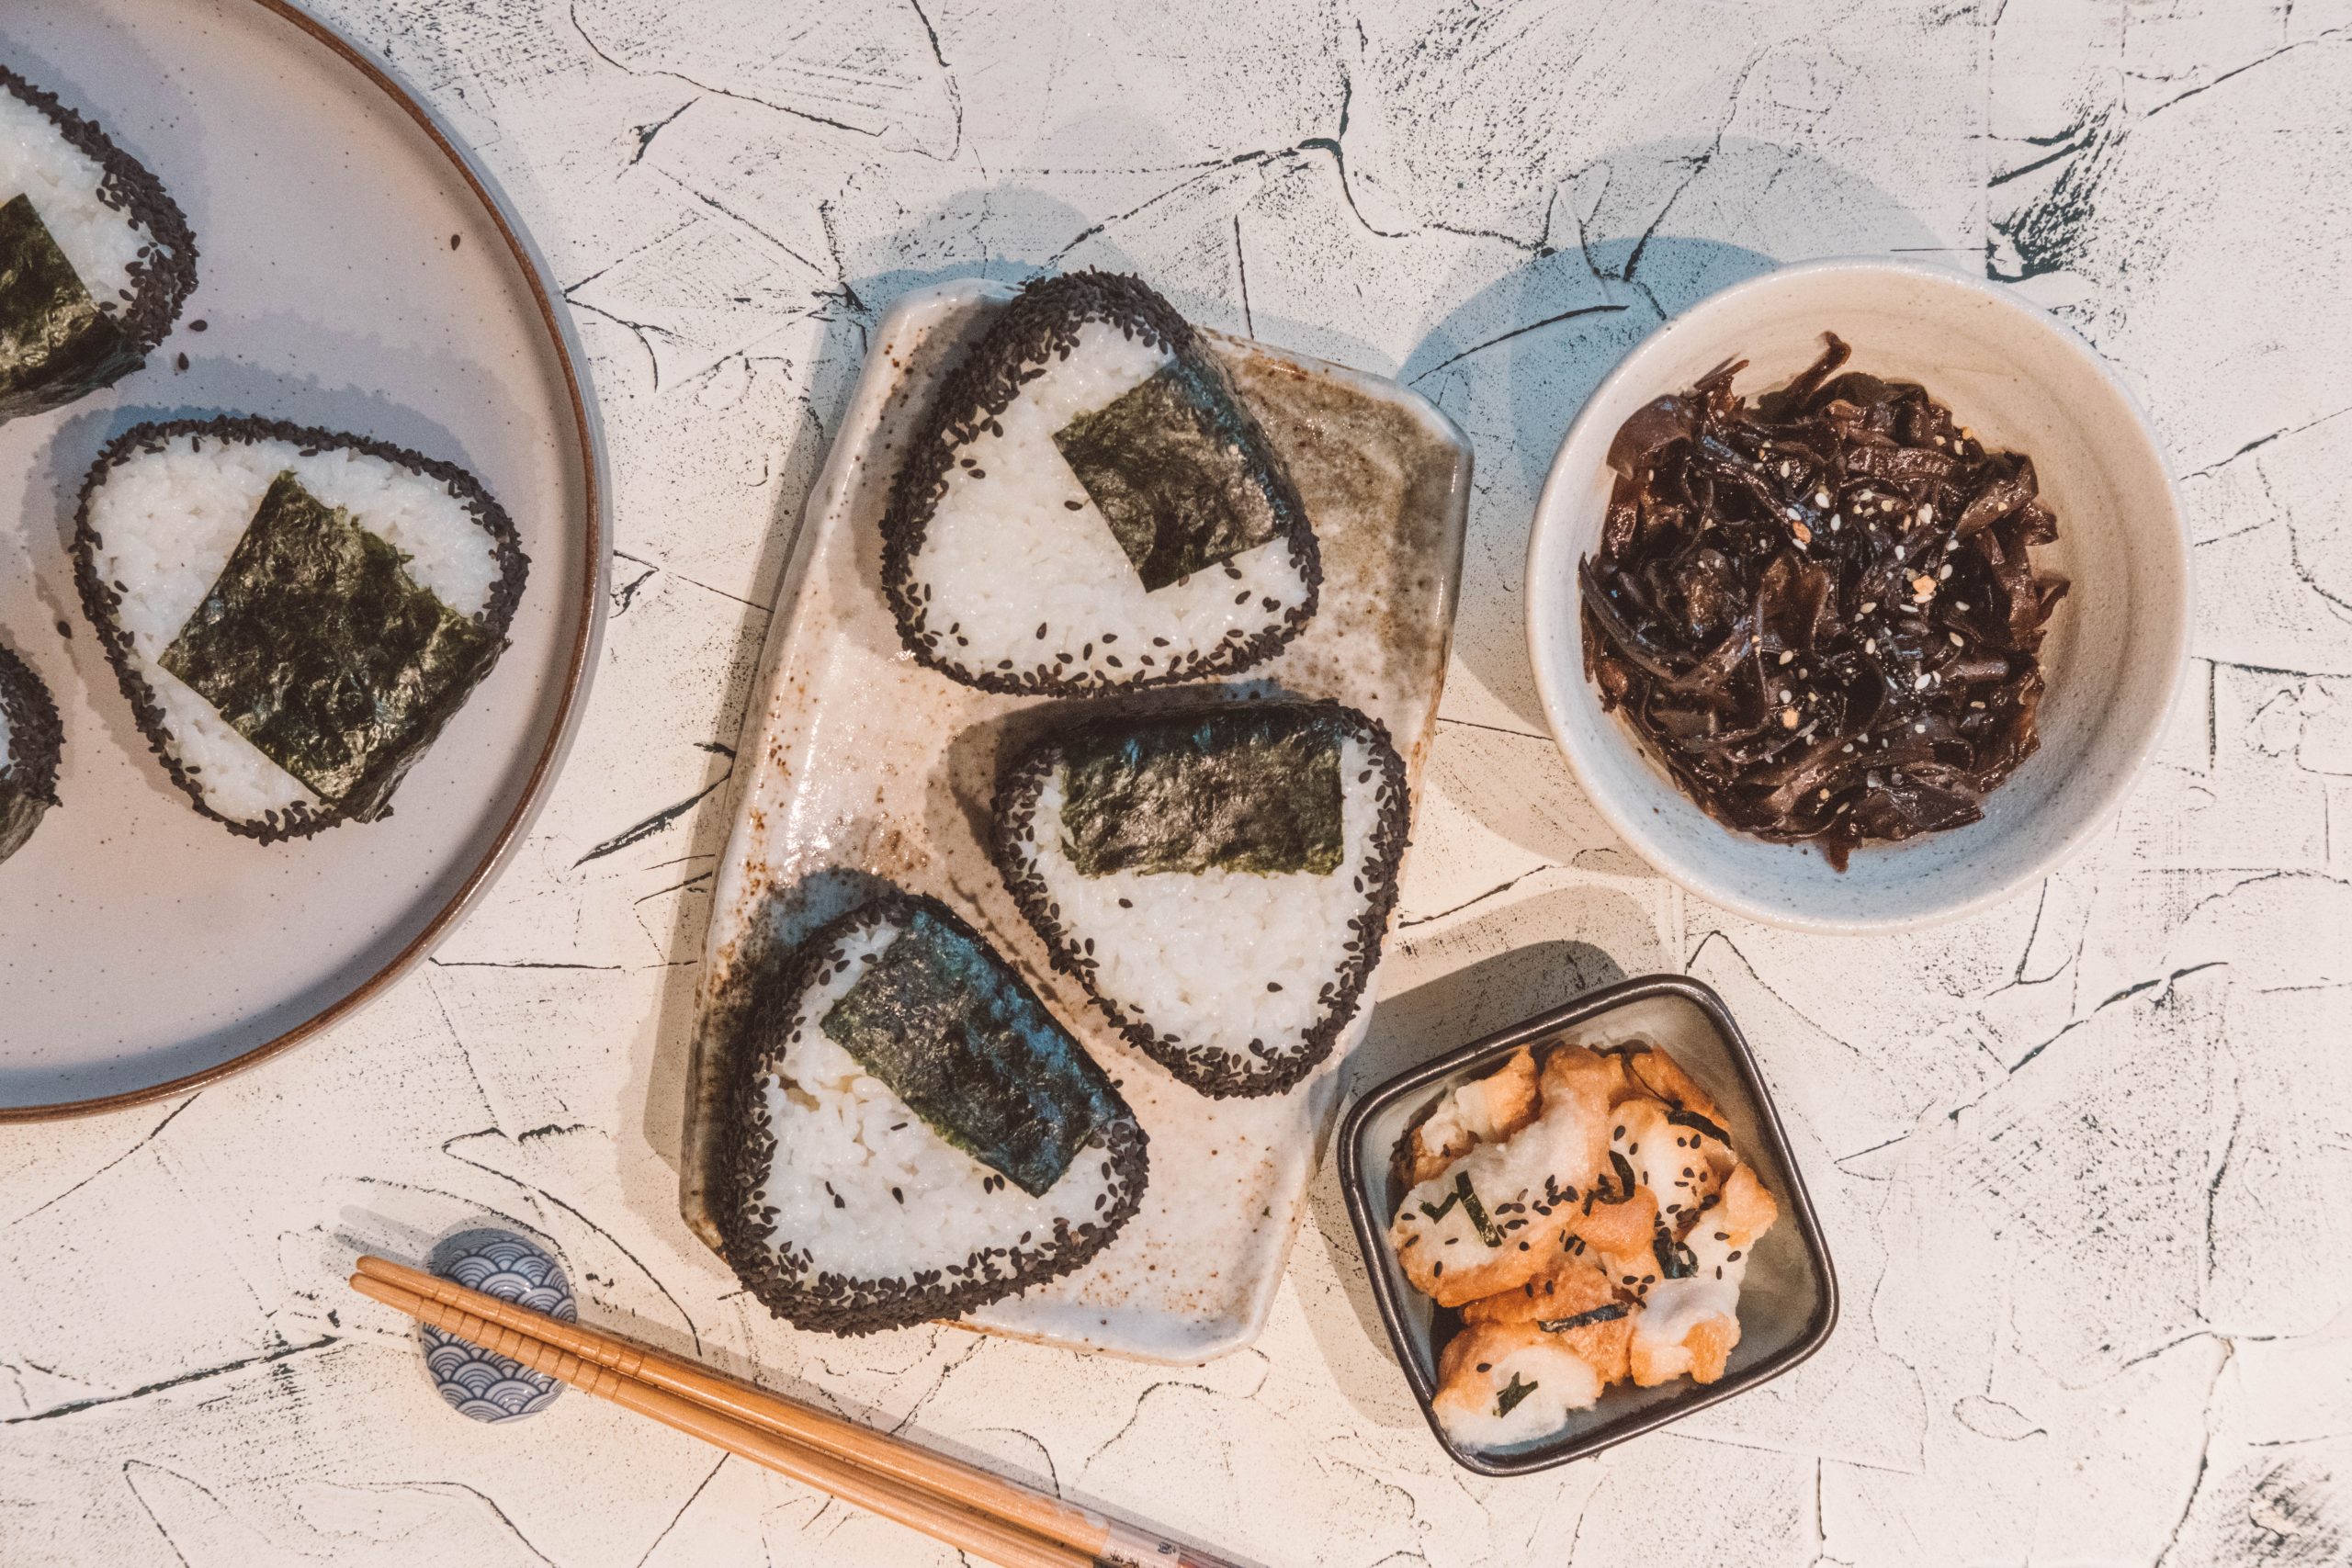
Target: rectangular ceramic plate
[(862, 765), (1788, 1302)]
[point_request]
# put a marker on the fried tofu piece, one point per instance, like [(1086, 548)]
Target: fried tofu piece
[(1492, 1219), (1746, 1210), (1501, 1384), (1683, 1164), (1483, 1110), (1573, 1301), (1659, 1076), (1701, 1353), (1613, 1230)]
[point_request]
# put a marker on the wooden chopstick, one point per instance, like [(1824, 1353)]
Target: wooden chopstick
[(934, 1515), (843, 1447)]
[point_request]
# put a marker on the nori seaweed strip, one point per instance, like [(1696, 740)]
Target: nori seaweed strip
[(1691, 1119), (745, 1150), (1625, 1181), (1510, 1398), (53, 336), (1488, 1232), (1231, 789), (1675, 1260), (28, 765), (321, 649), (1439, 1210), (1609, 1314), (945, 1022), (1037, 326), (1167, 463), (1211, 1070), (100, 599), (162, 277)]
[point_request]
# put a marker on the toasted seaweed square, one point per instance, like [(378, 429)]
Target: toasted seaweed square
[(1168, 463), (326, 654), (939, 1018), (53, 334), (1234, 791)]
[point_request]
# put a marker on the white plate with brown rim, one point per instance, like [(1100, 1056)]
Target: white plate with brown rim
[(356, 270)]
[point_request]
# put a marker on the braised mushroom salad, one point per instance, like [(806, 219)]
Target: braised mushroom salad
[(1819, 609)]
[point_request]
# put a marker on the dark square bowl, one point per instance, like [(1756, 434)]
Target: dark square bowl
[(1788, 1302)]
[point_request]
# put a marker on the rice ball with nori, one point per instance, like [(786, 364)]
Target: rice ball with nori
[(910, 1134), (96, 260), (1219, 876), (1089, 504), (30, 740), (294, 614)]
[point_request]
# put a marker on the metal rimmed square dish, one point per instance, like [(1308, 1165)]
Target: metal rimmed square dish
[(1788, 1303)]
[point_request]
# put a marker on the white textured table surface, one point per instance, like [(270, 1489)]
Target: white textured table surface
[(2082, 1159)]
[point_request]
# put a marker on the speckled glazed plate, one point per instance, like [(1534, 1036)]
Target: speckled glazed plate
[(863, 766), (355, 271)]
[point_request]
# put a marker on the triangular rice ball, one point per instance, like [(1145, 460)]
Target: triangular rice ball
[(1089, 504), (1218, 875), (910, 1135)]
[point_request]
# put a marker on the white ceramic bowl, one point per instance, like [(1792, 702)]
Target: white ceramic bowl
[(2117, 643)]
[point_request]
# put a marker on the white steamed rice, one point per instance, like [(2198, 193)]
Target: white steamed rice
[(1194, 955), (167, 522), (35, 160), (839, 1129), (1003, 555)]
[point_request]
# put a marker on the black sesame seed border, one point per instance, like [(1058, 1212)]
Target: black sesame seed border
[(163, 275), (745, 1150), (1218, 1072), (36, 733), (101, 600), (1039, 325)]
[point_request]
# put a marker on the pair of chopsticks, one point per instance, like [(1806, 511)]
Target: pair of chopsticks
[(965, 1506)]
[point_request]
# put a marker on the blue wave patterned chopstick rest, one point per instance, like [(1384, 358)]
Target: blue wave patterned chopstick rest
[(475, 1381)]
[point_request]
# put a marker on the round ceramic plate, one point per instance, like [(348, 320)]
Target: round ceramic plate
[(355, 271)]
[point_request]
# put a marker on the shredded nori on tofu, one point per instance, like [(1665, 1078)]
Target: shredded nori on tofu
[(326, 654), (942, 1021), (1235, 789), (1169, 464), (1488, 1232), (1675, 1260), (1439, 1210), (1697, 1122), (1609, 1314), (1625, 1181), (1508, 1399), (53, 334)]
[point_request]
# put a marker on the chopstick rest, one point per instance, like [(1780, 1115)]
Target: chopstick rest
[(480, 1383)]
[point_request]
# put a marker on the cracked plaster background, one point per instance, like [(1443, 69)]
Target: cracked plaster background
[(2081, 1157)]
